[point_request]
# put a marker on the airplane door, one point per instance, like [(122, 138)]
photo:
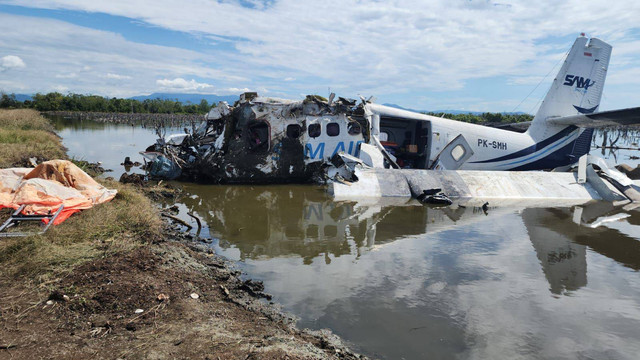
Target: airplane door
[(456, 153), (423, 140)]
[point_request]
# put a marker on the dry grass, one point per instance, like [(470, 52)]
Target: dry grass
[(25, 133), (24, 119), (127, 222)]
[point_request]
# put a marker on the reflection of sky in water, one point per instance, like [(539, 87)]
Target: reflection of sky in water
[(410, 281), (476, 290), (629, 139), (107, 143)]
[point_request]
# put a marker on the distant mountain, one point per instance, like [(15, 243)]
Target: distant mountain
[(186, 98), (22, 97), (454, 112)]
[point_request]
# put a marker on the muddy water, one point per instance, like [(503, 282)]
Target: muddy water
[(401, 280)]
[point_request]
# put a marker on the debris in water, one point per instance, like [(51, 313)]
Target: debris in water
[(632, 173), (127, 162), (434, 196), (178, 220), (194, 296), (136, 179), (485, 208)]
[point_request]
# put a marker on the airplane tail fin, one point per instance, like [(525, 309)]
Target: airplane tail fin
[(577, 89)]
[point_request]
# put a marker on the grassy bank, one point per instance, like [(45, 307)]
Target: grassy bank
[(114, 282), (25, 134), (120, 225)]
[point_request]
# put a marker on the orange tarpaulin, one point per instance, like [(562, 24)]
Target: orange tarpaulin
[(49, 185)]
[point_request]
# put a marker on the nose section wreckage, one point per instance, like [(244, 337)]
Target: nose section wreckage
[(260, 140)]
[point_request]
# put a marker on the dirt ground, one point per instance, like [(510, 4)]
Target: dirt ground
[(166, 300)]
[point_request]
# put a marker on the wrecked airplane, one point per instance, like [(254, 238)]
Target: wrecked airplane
[(262, 140), (371, 150)]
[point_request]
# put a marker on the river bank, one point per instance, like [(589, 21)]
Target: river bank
[(116, 281), (144, 119)]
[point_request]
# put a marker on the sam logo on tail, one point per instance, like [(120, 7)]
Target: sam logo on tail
[(579, 81)]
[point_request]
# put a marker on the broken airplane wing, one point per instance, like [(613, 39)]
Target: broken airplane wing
[(621, 117)]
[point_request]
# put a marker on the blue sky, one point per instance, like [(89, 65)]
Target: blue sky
[(459, 54)]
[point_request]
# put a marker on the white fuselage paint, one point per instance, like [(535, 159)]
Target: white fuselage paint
[(487, 143)]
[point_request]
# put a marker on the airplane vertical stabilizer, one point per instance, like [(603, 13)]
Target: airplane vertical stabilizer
[(577, 89)]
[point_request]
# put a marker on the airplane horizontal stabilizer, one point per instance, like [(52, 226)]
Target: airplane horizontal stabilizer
[(629, 116)]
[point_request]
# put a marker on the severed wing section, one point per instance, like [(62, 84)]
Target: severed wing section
[(630, 116)]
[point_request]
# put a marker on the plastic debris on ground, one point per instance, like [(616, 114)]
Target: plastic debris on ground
[(51, 184)]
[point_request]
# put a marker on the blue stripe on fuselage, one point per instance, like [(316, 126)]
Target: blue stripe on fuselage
[(533, 148), (562, 157), (541, 153)]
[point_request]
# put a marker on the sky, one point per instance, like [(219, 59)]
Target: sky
[(427, 55)]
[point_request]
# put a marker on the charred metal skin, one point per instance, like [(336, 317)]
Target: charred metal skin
[(258, 140)]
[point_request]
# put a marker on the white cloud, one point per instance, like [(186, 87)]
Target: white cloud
[(180, 84), (117, 76), (66, 76), (631, 75), (525, 80), (367, 47), (55, 50), (60, 88), (11, 62), (234, 90)]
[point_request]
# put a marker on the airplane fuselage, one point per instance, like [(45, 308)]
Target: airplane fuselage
[(417, 140)]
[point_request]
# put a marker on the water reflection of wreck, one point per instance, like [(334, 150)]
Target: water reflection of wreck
[(278, 221), (560, 239)]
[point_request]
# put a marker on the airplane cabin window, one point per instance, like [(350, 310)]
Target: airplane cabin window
[(457, 152), (353, 128), (333, 129), (384, 136), (294, 131), (259, 137), (314, 130)]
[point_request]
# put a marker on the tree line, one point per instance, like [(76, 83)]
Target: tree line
[(487, 117), (55, 101)]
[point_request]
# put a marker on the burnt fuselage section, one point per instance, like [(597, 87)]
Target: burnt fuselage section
[(262, 140)]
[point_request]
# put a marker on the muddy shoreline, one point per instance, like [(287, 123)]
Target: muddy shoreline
[(174, 297)]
